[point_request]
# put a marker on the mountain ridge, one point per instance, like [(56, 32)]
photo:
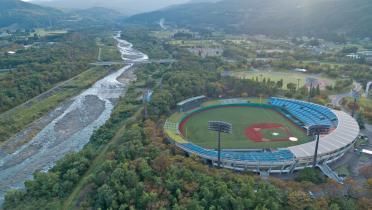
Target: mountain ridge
[(271, 17), (19, 14), (25, 15)]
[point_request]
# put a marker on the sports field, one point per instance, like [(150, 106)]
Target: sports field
[(253, 128)]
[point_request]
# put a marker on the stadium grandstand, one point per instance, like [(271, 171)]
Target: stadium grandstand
[(190, 103), (278, 156), (306, 114)]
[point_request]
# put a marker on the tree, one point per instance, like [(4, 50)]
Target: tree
[(311, 175), (298, 200), (280, 83), (317, 91), (366, 171), (105, 196), (291, 87), (360, 120), (349, 49)]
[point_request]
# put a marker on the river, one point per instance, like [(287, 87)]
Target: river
[(72, 125)]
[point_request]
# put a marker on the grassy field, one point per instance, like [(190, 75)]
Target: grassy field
[(2, 74), (109, 50), (196, 128), (110, 53), (43, 32), (20, 117), (194, 43), (288, 77)]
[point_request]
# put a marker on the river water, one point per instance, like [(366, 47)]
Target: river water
[(71, 128)]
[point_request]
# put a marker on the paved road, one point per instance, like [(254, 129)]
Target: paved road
[(336, 101)]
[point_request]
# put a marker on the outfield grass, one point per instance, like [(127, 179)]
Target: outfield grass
[(196, 128)]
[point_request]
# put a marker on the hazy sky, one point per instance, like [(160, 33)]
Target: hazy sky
[(125, 6)]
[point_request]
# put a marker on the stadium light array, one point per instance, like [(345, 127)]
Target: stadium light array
[(220, 127)]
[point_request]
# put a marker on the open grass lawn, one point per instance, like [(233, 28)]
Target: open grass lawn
[(288, 77), (110, 53), (196, 128), (194, 43), (2, 74), (44, 32)]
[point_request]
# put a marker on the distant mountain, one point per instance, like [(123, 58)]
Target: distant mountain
[(323, 18), (97, 15), (127, 7), (19, 14), (25, 15)]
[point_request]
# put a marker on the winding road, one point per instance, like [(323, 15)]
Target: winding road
[(337, 99)]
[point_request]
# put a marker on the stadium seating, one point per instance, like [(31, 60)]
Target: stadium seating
[(252, 156), (308, 113)]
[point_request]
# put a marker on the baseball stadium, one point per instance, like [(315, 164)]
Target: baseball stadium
[(273, 135)]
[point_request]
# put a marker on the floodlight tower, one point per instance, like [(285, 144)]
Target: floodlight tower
[(220, 127), (315, 131)]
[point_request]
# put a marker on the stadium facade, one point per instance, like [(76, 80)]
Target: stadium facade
[(341, 134)]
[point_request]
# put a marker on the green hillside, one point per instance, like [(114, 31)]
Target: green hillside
[(25, 15), (19, 14), (324, 18)]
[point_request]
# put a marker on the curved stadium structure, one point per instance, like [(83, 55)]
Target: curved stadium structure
[(268, 155)]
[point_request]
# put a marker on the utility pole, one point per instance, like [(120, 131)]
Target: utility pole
[(354, 107), (219, 149), (356, 97)]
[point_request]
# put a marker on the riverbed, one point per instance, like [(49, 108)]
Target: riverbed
[(67, 128)]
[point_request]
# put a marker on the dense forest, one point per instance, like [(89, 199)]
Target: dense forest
[(129, 164), (39, 68)]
